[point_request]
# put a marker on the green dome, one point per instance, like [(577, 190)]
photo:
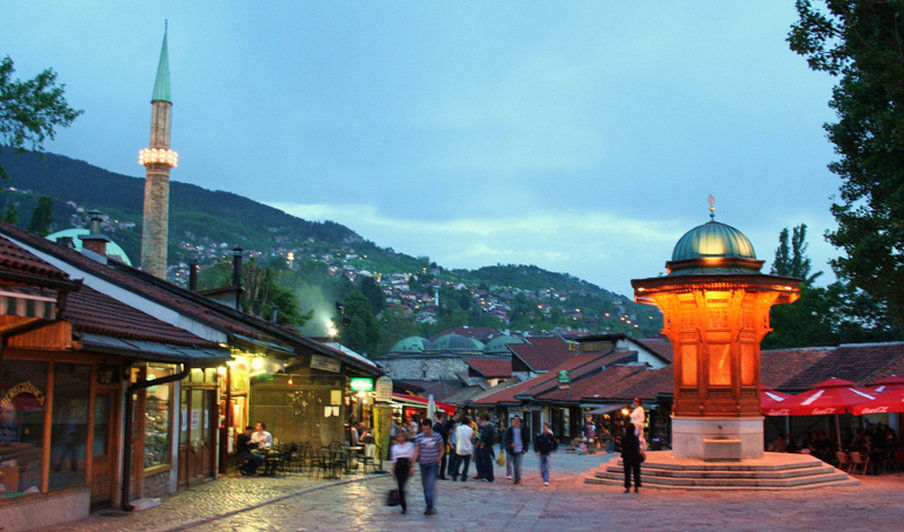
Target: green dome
[(412, 344), (713, 239), (498, 344), (456, 342), (113, 249)]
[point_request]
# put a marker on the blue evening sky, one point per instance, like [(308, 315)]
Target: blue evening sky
[(581, 137)]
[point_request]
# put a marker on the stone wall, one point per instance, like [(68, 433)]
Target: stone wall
[(424, 368)]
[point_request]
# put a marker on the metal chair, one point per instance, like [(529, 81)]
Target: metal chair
[(370, 452), (844, 462)]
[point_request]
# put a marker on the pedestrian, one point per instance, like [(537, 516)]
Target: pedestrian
[(630, 453), (483, 452), (544, 444), (441, 427), (402, 455), (244, 447), (464, 447), (639, 420), (508, 463), (516, 442), (428, 451), (452, 466)]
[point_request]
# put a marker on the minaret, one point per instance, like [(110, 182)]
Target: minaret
[(158, 159)]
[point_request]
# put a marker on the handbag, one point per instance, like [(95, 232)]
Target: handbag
[(392, 499), (500, 460)]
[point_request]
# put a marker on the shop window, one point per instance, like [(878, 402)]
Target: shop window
[(23, 389), (69, 425), (158, 406)]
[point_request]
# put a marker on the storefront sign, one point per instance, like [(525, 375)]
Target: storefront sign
[(361, 384), (564, 379), (382, 426), (326, 363), (22, 387), (383, 390)]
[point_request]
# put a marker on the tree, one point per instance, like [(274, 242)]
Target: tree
[(791, 258), (859, 43), (12, 214), (373, 293), (362, 333), (41, 217), (31, 110)]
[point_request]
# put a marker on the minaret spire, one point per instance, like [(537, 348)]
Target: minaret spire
[(158, 159)]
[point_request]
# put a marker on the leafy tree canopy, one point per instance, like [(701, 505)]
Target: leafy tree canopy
[(31, 110), (42, 217), (859, 43)]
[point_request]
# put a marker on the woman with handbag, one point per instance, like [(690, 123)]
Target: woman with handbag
[(402, 454)]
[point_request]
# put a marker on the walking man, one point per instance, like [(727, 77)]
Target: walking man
[(630, 454), (464, 446), (516, 441), (544, 444), (441, 427), (484, 452), (428, 451)]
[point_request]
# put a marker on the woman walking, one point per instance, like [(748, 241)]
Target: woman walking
[(545, 443), (402, 464)]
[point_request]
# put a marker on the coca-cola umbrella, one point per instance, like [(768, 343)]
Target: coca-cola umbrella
[(829, 397), (883, 404), (772, 402), (888, 384)]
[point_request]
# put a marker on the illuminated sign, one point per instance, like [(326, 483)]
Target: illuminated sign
[(361, 384)]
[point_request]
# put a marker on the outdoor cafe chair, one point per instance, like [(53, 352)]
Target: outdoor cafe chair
[(370, 452), (857, 460), (844, 462)]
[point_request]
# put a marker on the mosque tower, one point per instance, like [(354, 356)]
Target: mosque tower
[(158, 158)]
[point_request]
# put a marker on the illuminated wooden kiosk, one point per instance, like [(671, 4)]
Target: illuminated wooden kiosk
[(715, 305)]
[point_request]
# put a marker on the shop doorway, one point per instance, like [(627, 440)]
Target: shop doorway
[(103, 459), (197, 442)]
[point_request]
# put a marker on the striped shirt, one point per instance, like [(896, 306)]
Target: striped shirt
[(428, 447)]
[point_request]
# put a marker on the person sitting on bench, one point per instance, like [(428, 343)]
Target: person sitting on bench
[(243, 447)]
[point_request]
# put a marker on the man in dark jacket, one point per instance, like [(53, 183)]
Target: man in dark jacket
[(516, 441), (441, 427), (483, 450), (544, 444), (631, 457), (243, 447)]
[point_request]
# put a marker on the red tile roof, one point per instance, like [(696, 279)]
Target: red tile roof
[(647, 385), (592, 387), (778, 365), (90, 311), (542, 353), (660, 346), (507, 394), (860, 363), (17, 260), (491, 368)]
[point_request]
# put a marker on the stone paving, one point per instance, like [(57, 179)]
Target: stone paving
[(296, 503)]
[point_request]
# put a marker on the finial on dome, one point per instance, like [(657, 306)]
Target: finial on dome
[(712, 207)]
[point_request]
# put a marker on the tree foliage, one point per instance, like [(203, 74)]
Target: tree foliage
[(860, 43), (373, 293), (362, 333), (791, 258), (42, 217), (31, 110), (11, 216)]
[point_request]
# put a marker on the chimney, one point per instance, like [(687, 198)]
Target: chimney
[(193, 277), (95, 241), (237, 275)]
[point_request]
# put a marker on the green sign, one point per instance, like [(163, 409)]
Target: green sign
[(361, 384), (564, 377)]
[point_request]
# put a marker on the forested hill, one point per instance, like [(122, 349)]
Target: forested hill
[(222, 216)]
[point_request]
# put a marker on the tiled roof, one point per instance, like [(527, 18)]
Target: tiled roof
[(660, 346), (90, 311), (778, 365), (478, 333), (491, 368), (17, 260), (507, 394), (542, 353), (647, 385), (592, 387), (859, 363)]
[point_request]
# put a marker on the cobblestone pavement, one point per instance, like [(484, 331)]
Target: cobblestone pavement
[(295, 503)]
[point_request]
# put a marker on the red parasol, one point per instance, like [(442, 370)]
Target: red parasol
[(832, 396), (772, 402), (888, 384), (887, 402)]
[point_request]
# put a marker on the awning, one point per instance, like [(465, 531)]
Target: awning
[(156, 351), (420, 402), (605, 409)]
